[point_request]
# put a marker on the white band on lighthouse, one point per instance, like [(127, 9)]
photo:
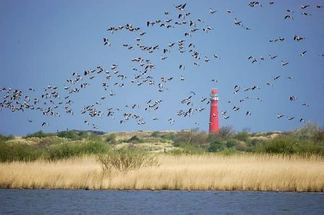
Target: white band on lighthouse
[(214, 97)]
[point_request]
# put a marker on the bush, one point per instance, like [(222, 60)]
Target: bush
[(134, 139), (190, 137), (310, 147), (191, 142), (254, 142), (192, 149), (242, 146), (216, 146), (282, 145), (231, 143), (66, 150), (18, 152), (319, 137), (4, 138), (39, 134), (225, 132), (111, 139), (168, 135), (124, 160), (181, 138), (72, 135), (242, 136), (309, 131), (199, 138), (156, 134), (228, 145), (46, 150), (47, 141), (78, 135), (213, 137), (291, 144)]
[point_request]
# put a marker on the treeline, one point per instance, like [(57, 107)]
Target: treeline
[(307, 140)]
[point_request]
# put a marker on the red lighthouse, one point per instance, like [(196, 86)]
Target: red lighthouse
[(213, 118)]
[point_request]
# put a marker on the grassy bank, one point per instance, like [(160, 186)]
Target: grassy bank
[(256, 172)]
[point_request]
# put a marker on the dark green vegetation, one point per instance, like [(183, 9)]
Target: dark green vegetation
[(307, 140), (51, 146)]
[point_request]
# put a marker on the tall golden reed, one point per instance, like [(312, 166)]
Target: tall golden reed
[(205, 172)]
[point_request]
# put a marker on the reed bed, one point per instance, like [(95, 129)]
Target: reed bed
[(183, 172)]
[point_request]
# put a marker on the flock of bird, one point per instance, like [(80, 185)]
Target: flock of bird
[(53, 101)]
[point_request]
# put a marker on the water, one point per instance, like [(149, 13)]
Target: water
[(158, 202)]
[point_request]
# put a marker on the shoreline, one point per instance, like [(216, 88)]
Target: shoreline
[(156, 190)]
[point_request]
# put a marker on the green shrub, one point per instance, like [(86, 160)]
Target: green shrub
[(181, 138), (73, 135), (48, 150), (4, 138), (254, 142), (319, 136), (190, 137), (242, 136), (80, 135), (199, 138), (111, 139), (231, 143), (191, 149), (309, 147), (168, 136), (124, 160), (47, 141), (242, 146), (213, 137), (225, 132), (309, 131), (134, 139), (217, 146), (282, 145), (66, 150), (191, 142), (39, 134), (18, 152), (156, 134), (291, 144)]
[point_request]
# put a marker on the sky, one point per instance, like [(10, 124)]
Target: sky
[(44, 42)]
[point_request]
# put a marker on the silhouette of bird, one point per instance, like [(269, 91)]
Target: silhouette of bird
[(298, 38), (212, 11), (106, 41), (303, 53)]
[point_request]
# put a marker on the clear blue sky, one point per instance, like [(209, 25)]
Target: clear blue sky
[(43, 42)]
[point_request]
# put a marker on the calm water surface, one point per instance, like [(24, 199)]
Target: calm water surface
[(158, 202)]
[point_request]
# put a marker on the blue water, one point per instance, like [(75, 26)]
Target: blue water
[(158, 202)]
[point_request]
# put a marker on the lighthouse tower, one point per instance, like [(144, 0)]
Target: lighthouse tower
[(213, 118)]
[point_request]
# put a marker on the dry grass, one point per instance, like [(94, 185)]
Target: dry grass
[(206, 172)]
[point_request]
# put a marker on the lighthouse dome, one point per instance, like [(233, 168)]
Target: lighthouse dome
[(214, 91)]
